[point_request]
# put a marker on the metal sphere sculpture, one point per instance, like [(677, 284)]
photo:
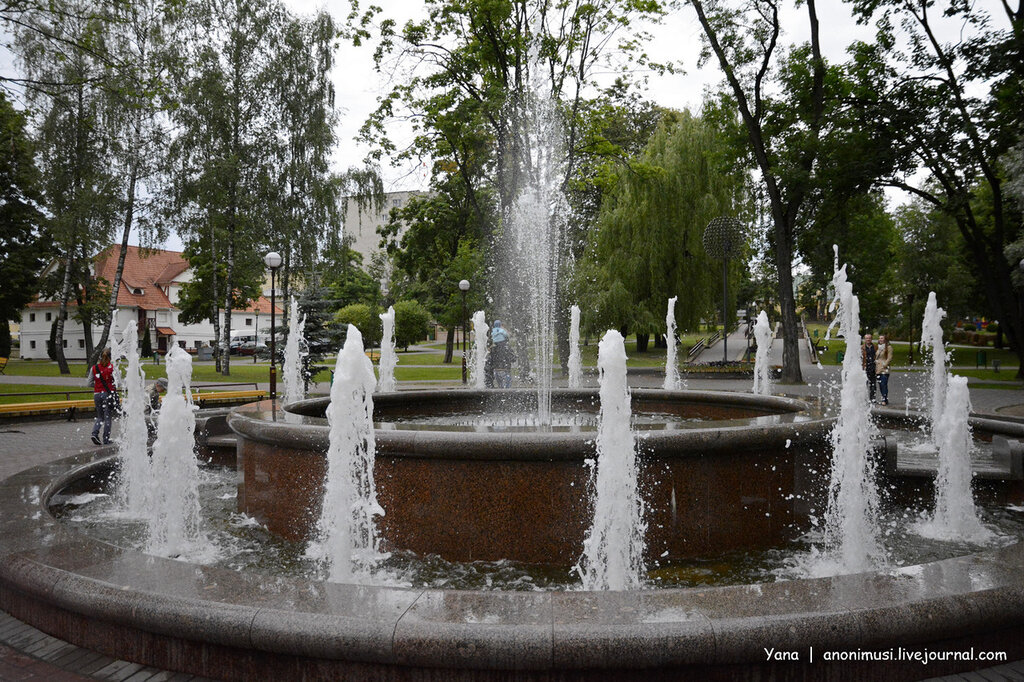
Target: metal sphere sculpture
[(723, 238)]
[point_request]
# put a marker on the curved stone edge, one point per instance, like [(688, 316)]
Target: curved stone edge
[(262, 423), (963, 598)]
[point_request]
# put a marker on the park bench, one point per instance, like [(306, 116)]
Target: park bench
[(67, 408), (218, 397), (3, 365)]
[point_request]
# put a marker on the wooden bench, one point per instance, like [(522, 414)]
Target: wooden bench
[(68, 408), (3, 364), (215, 397)]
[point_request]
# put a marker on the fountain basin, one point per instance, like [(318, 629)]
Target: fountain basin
[(224, 624), (738, 478)]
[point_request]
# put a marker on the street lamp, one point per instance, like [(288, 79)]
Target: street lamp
[(464, 287), (273, 261)]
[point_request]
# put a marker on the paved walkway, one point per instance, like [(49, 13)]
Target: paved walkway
[(28, 654)]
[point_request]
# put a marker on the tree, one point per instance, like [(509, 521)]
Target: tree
[(782, 136), (73, 142), (135, 100), (223, 154), (22, 245), (954, 109), (647, 246), (412, 321)]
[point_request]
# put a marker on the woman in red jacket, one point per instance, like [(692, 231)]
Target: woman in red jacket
[(103, 388)]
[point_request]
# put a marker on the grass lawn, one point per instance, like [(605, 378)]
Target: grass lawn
[(964, 356), (85, 394)]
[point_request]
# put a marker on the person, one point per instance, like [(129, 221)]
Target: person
[(867, 361), (103, 396), (153, 393), (883, 358), (501, 356)]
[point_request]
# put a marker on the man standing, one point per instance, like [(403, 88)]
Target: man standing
[(867, 361)]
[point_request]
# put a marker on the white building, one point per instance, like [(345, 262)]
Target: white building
[(362, 225), (150, 286)]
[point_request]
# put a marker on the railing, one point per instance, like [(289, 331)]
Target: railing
[(696, 348)]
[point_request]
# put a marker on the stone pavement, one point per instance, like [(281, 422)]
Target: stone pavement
[(28, 654)]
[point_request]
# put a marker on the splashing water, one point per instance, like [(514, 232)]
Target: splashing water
[(575, 361), (174, 505), (851, 519), (613, 549), (293, 354), (931, 337), (347, 541), (955, 517), (388, 357), (762, 361), (133, 436), (672, 382), (478, 352)]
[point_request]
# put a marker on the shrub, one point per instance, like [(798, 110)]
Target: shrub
[(411, 323), (365, 319), (969, 328)]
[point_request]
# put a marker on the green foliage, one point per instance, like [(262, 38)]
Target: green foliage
[(146, 349), (648, 244), (5, 339), (364, 318), (347, 280), (323, 336), (22, 244), (411, 323)]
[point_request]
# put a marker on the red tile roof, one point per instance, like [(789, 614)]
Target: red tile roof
[(148, 270)]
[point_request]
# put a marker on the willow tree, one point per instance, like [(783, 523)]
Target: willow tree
[(647, 244)]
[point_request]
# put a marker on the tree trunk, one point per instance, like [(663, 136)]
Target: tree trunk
[(228, 301), (791, 373), (86, 330), (449, 346), (62, 311), (116, 285), (215, 300), (641, 342)]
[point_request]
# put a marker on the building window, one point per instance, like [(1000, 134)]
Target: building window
[(32, 345), (31, 317), (65, 343), (199, 344), (181, 344), (49, 316), (81, 343), (248, 322)]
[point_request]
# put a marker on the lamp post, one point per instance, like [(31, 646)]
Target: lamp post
[(464, 287), (723, 239), (273, 261)]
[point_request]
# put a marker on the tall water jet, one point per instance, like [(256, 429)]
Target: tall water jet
[(931, 337), (388, 357), (294, 385), (136, 478), (533, 227), (613, 549), (575, 361), (478, 352), (955, 516), (851, 525), (174, 488), (672, 382), (762, 361), (347, 541)]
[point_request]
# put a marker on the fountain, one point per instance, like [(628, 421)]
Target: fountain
[(575, 361), (173, 512), (388, 358), (955, 516), (762, 368), (347, 541), (294, 384), (931, 338), (133, 435), (478, 353), (851, 527), (672, 382), (613, 550)]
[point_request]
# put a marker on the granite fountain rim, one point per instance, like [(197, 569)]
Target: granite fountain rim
[(276, 424), (43, 560)]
